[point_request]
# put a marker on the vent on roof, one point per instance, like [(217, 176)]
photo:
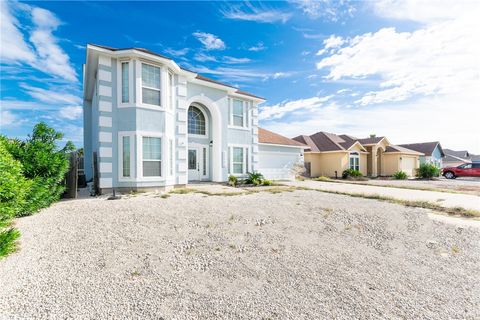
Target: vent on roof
[(373, 135)]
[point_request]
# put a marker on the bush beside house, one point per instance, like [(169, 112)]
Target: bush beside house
[(31, 179), (428, 171)]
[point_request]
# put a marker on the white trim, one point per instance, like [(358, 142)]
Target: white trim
[(105, 167), (105, 152), (105, 61), (105, 91), (105, 106), (216, 134), (104, 136), (130, 134), (104, 121), (105, 182)]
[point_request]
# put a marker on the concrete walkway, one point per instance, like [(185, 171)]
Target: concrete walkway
[(441, 198)]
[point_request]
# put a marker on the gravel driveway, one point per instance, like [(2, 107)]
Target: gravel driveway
[(292, 255)]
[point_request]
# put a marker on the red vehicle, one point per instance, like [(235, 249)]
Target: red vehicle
[(463, 170)]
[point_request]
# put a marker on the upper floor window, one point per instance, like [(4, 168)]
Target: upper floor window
[(151, 84), (238, 113), (170, 90), (125, 88), (196, 121)]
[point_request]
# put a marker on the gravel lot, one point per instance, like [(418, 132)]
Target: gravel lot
[(295, 255)]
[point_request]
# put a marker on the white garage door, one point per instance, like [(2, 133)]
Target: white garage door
[(408, 165), (276, 163)]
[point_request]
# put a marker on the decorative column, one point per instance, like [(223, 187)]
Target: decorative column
[(181, 131), (254, 137)]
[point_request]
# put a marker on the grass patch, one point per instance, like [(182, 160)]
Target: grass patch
[(8, 241)]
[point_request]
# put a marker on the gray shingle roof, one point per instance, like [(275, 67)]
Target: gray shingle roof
[(424, 147)]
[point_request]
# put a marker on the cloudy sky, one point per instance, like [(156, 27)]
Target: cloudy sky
[(409, 70)]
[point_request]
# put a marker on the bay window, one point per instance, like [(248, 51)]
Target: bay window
[(151, 85), (126, 156), (152, 156)]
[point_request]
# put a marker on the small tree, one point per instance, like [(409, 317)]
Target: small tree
[(44, 163)]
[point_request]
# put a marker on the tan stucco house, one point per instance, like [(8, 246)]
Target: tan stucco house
[(330, 154)]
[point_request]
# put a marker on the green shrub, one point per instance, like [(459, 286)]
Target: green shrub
[(232, 180), (400, 175), (267, 182), (43, 163), (351, 173), (254, 178), (428, 171), (13, 191)]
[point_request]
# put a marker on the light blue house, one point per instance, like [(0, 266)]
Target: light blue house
[(148, 123), (433, 152)]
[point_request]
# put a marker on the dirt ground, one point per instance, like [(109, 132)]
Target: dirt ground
[(290, 255)]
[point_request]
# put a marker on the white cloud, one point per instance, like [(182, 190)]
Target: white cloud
[(258, 47), (427, 119), (238, 74), (52, 96), (13, 47), (331, 42), (330, 10), (177, 52), (202, 57), (43, 52), (210, 41), (440, 58), (71, 113), (233, 60), (279, 110), (7, 118), (248, 12)]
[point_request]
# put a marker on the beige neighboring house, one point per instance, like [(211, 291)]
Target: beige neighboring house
[(330, 154)]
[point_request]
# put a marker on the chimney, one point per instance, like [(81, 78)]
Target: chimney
[(373, 135)]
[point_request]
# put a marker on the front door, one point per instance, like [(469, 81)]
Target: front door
[(198, 157), (193, 164)]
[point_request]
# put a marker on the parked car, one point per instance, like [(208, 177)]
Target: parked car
[(463, 170)]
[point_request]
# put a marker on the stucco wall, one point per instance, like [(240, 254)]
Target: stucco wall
[(391, 164), (325, 164)]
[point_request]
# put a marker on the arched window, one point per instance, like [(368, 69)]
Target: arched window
[(196, 121)]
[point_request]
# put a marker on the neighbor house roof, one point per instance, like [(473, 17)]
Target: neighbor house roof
[(198, 76), (265, 136), (394, 148), (464, 154), (426, 148), (325, 141)]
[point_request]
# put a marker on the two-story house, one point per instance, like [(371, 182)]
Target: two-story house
[(149, 123)]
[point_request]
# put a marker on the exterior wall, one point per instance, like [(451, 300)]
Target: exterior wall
[(363, 163), (391, 164), (400, 162), (107, 120), (276, 162), (435, 158), (325, 164)]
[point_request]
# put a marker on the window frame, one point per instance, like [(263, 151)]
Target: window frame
[(153, 160), (141, 86), (356, 158), (140, 135), (246, 116), (207, 128), (131, 135), (246, 163), (131, 87)]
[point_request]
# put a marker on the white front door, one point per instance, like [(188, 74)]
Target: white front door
[(198, 162)]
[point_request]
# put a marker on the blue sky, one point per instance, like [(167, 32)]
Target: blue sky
[(400, 68)]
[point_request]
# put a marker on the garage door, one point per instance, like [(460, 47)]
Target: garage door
[(408, 165), (277, 165)]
